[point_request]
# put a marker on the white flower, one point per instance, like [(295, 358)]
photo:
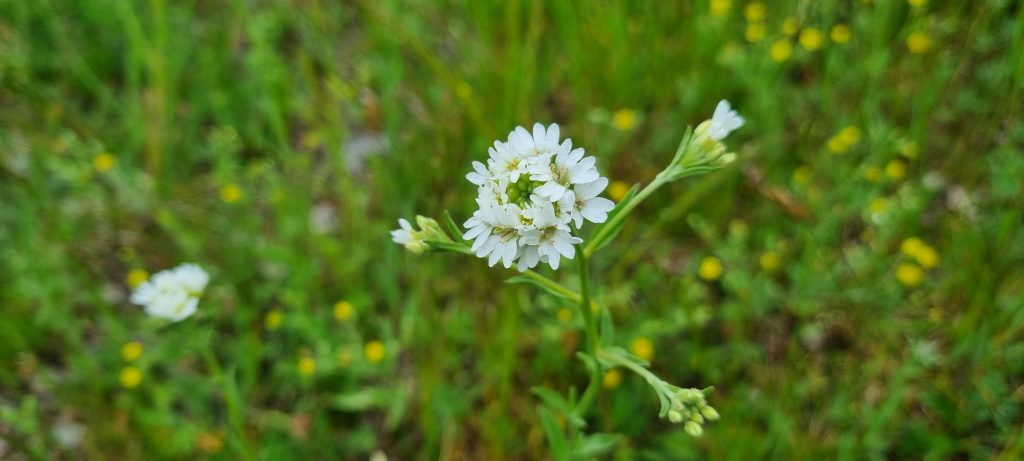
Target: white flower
[(173, 306), (532, 186), (172, 294), (588, 205), (417, 241), (568, 168), (550, 235), (192, 277), (494, 231), (724, 121)]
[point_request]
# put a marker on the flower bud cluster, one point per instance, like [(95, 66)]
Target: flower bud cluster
[(690, 409), (704, 149), (416, 241)]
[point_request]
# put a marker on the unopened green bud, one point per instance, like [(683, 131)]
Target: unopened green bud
[(693, 429), (709, 413), (675, 416), (697, 418), (431, 230), (417, 247)]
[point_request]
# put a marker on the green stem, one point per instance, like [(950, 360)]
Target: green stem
[(587, 311), (612, 224), (553, 285), (632, 365)]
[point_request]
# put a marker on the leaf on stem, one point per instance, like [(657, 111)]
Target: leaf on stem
[(605, 236)]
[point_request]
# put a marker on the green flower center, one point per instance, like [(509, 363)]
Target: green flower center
[(519, 192)]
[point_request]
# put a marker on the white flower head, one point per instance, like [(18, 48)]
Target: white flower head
[(418, 241), (410, 238), (172, 294), (724, 121), (532, 187)]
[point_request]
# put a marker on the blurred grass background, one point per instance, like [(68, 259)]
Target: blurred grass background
[(852, 285)]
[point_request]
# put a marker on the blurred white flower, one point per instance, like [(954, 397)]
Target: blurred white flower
[(323, 218), (532, 187), (418, 241), (409, 237), (68, 433), (724, 121), (172, 294)]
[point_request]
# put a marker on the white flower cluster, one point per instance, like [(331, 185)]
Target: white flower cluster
[(532, 187), (172, 294)]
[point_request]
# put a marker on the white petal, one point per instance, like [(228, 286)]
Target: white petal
[(553, 133), (590, 189), (596, 209)]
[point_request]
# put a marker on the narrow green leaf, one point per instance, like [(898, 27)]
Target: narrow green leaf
[(552, 399), (452, 227), (454, 247), (609, 235), (548, 289), (556, 438), (595, 445)]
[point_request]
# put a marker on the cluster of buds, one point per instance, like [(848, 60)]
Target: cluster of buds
[(703, 150), (690, 408), (418, 241)]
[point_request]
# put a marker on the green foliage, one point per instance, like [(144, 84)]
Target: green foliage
[(277, 143)]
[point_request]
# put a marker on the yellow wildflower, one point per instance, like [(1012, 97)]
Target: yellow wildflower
[(909, 274), (927, 257), (911, 245), (836, 145), (896, 169), (643, 348), (231, 193), (755, 11), (130, 377), (781, 50), (564, 315), (918, 42), (624, 119), (879, 205), (811, 39), (617, 190), (103, 162), (720, 8), (840, 33), (710, 268), (374, 351), (850, 135), (131, 351), (756, 32), (136, 276), (307, 366), (343, 310), (790, 26), (612, 378), (273, 319), (770, 261)]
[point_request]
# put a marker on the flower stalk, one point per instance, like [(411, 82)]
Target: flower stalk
[(534, 194)]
